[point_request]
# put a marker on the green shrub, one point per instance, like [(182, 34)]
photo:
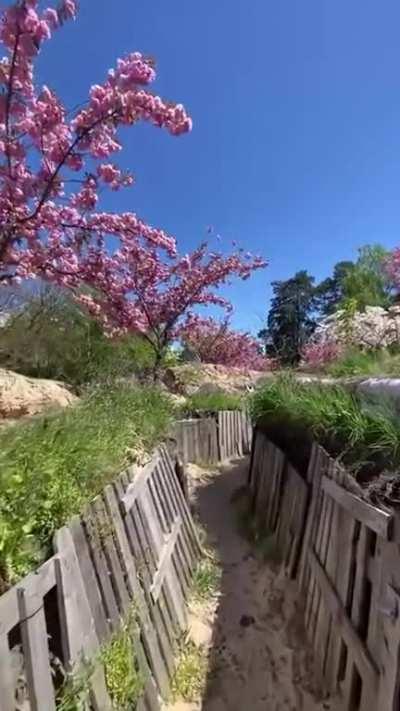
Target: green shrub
[(214, 402), (52, 466)]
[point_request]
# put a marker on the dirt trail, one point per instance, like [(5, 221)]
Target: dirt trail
[(253, 631)]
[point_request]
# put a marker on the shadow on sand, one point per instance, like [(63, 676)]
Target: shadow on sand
[(258, 659)]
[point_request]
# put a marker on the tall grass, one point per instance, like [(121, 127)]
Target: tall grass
[(51, 467), (362, 431), (370, 363)]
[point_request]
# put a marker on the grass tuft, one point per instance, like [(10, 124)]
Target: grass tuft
[(206, 579), (52, 466), (190, 676)]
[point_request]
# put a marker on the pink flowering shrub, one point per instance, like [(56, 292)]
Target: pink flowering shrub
[(319, 353), (52, 165), (215, 342)]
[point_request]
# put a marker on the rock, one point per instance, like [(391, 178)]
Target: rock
[(21, 396)]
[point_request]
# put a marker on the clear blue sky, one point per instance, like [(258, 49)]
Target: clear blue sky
[(295, 150)]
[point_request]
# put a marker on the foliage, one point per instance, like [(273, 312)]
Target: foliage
[(330, 292), (290, 319), (51, 337), (54, 163), (216, 342), (51, 467), (368, 283), (371, 363), (124, 681), (214, 402), (74, 694), (190, 675), (206, 578), (331, 415)]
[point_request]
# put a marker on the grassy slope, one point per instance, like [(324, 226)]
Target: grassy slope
[(213, 402), (51, 467), (364, 435)]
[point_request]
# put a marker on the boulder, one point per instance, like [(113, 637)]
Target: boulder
[(21, 396)]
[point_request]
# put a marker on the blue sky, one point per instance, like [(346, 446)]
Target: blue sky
[(295, 150)]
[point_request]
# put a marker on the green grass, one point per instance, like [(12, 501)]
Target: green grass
[(369, 363), (189, 680), (362, 432), (52, 466), (206, 578), (214, 402), (124, 681)]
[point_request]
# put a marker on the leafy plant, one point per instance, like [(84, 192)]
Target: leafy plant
[(190, 676), (51, 467), (124, 681), (206, 578)]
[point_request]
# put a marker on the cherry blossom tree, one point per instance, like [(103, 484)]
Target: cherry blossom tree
[(318, 353), (216, 342), (138, 289), (53, 163)]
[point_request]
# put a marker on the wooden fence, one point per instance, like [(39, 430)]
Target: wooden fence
[(214, 438), (345, 555), (134, 547)]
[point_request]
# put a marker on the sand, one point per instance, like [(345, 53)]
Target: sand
[(258, 658)]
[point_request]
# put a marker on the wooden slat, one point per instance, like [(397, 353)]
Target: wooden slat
[(364, 662), (7, 677), (148, 631), (139, 483), (36, 651), (89, 577), (77, 624), (165, 559), (377, 520), (182, 505), (160, 614), (102, 567), (171, 587), (9, 613), (313, 478), (106, 527)]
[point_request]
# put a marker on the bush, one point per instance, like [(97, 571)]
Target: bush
[(366, 436), (51, 467), (370, 363)]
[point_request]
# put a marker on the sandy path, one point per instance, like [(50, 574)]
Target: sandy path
[(257, 658)]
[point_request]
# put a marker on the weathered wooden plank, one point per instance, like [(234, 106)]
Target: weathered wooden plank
[(7, 680), (278, 461), (377, 520), (169, 512), (313, 478), (164, 624), (78, 628), (106, 529), (36, 651), (149, 634), (101, 566), (139, 483), (171, 587), (361, 655), (182, 505), (89, 577), (9, 612), (165, 559)]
